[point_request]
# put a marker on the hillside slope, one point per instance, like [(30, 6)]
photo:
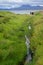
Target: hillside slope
[(37, 40)]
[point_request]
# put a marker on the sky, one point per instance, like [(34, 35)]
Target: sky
[(6, 3), (22, 1)]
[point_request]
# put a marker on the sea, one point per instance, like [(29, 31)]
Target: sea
[(21, 11)]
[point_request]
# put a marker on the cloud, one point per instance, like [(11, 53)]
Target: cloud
[(4, 1), (8, 6), (20, 2), (37, 0), (15, 0)]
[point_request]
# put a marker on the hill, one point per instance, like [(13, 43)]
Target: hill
[(29, 7), (22, 7)]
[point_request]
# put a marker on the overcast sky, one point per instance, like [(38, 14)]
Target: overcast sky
[(31, 2), (22, 1)]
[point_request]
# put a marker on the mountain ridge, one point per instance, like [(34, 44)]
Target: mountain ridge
[(23, 7)]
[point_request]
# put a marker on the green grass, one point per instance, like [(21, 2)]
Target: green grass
[(13, 29), (37, 40)]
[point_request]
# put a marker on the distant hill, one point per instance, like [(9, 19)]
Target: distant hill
[(29, 7), (23, 7)]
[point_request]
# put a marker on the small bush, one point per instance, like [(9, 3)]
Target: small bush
[(1, 29), (6, 35)]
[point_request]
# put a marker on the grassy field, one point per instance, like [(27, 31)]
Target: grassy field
[(13, 28)]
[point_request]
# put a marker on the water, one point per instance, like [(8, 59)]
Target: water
[(23, 11), (27, 44), (28, 58)]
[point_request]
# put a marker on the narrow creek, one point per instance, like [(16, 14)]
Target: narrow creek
[(28, 58)]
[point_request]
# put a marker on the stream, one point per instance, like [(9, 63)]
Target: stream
[(28, 58)]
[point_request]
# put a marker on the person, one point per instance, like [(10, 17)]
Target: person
[(32, 13)]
